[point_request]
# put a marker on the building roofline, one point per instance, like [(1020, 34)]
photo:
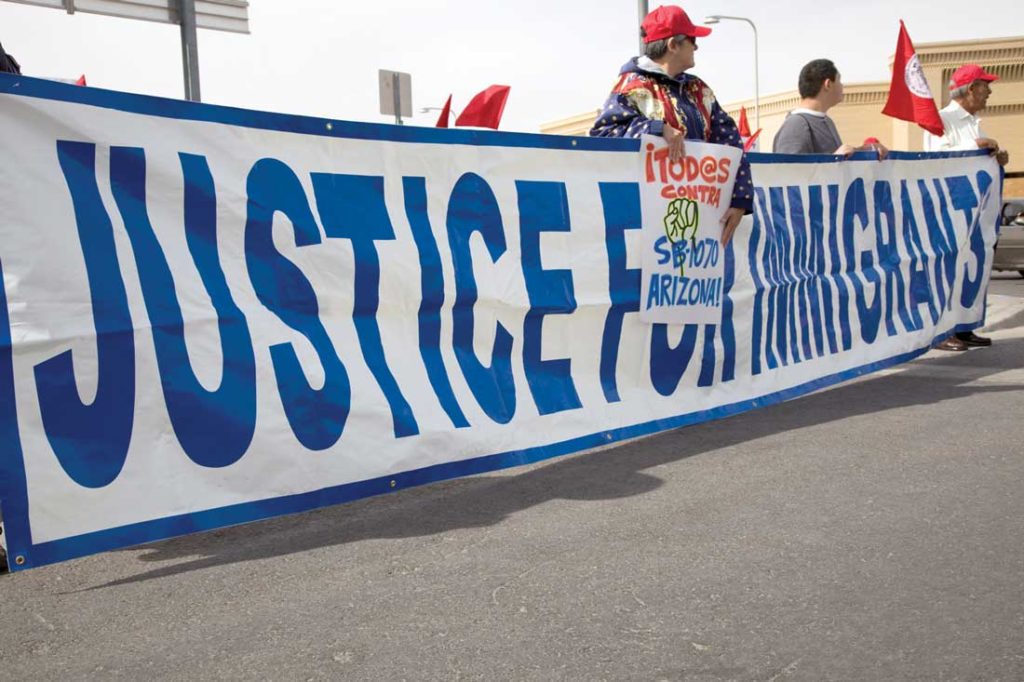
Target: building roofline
[(968, 43)]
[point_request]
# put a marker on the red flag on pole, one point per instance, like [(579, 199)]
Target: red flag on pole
[(442, 121), (485, 109), (748, 139), (910, 98), (744, 125)]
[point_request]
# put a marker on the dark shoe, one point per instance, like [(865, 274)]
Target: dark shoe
[(951, 343), (973, 340)]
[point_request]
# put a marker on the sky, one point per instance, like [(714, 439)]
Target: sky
[(321, 57)]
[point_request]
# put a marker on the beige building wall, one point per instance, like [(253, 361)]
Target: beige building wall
[(857, 118), (860, 114)]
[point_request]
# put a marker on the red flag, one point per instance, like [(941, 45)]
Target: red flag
[(748, 139), (744, 124), (485, 109), (446, 110), (910, 98), (81, 80), (749, 142)]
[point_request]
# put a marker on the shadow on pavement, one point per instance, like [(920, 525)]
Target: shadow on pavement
[(615, 472), (1015, 320)]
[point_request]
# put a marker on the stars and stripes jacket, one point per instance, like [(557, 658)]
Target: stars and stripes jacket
[(645, 98)]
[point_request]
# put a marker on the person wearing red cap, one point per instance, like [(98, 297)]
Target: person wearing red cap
[(969, 90), (654, 96)]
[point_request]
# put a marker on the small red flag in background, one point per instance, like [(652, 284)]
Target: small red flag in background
[(81, 80), (744, 126), (910, 98), (485, 109), (442, 120)]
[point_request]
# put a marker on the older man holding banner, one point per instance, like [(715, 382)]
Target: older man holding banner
[(955, 128), (969, 90)]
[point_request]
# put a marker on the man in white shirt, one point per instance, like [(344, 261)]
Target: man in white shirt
[(969, 91)]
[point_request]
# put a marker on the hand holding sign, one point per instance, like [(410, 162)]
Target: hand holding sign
[(730, 221)]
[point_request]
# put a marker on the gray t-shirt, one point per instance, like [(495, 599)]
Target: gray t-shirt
[(805, 133)]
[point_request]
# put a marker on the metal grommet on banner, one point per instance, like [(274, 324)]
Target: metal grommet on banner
[(574, 143), (330, 126), (20, 560), (393, 484)]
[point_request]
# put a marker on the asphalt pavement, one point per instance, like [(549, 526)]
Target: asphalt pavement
[(872, 531), (1007, 283)]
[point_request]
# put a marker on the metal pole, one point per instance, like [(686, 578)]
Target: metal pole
[(714, 19), (757, 83), (189, 49), (396, 93), (641, 8)]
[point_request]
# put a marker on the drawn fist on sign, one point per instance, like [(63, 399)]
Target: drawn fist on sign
[(681, 221)]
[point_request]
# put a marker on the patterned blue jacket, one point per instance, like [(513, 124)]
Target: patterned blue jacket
[(643, 101)]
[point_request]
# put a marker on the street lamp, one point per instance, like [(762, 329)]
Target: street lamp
[(714, 19), (424, 110)]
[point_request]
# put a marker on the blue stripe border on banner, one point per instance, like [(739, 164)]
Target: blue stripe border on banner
[(766, 157), (325, 127), (304, 125)]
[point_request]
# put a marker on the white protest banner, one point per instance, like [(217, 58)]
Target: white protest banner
[(683, 203), (210, 315)]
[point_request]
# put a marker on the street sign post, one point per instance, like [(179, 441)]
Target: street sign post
[(395, 94)]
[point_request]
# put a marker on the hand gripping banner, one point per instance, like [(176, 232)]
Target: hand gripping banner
[(210, 316)]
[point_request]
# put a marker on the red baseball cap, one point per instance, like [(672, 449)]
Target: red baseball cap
[(669, 21), (967, 74)]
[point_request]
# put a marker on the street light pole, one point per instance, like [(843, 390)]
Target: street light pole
[(424, 110), (189, 49), (714, 19), (641, 8)]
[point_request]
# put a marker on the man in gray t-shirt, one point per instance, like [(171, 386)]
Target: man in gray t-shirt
[(808, 129)]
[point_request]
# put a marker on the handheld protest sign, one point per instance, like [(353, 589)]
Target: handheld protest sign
[(683, 203)]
